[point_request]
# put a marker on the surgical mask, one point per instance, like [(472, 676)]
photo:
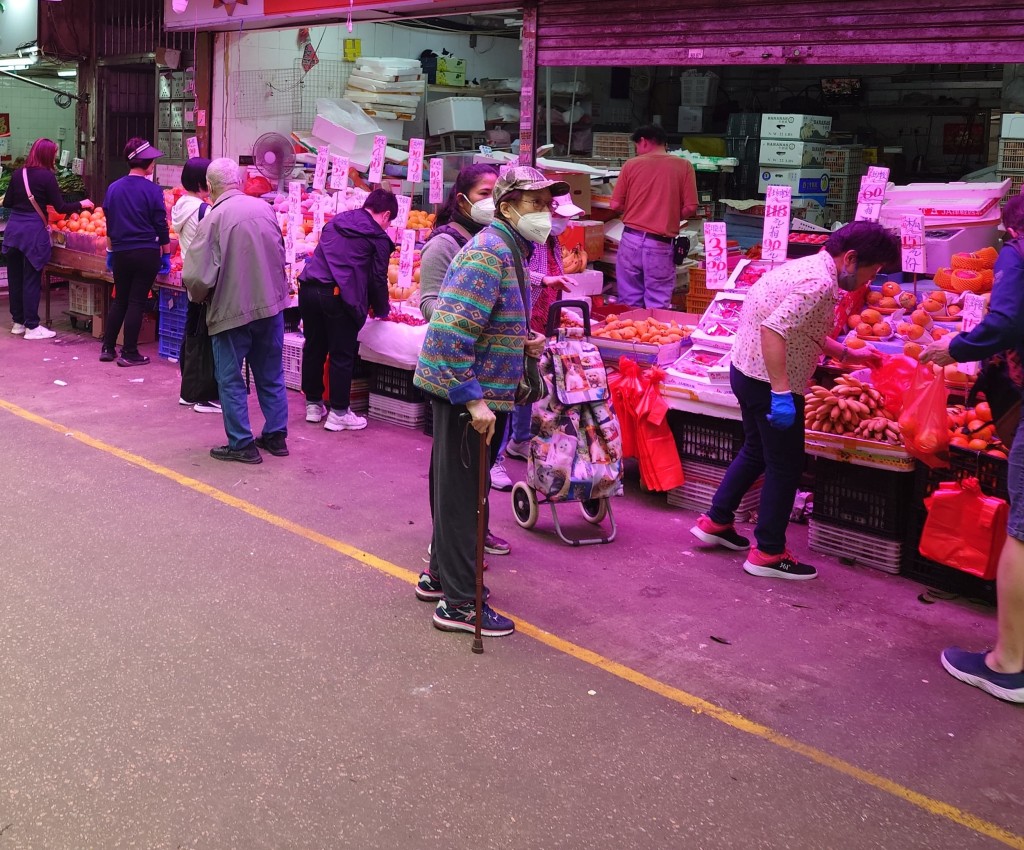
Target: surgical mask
[(535, 226), (558, 225), (482, 212)]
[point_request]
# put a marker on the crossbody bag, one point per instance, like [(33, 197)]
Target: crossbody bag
[(32, 199)]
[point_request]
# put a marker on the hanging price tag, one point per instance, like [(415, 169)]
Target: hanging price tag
[(436, 181), (404, 205), (716, 262), (777, 205), (873, 186), (406, 258), (912, 243), (65, 156), (192, 146), (320, 172), (973, 312), (415, 174), (377, 159), (295, 188), (319, 203), (289, 246), (339, 172)]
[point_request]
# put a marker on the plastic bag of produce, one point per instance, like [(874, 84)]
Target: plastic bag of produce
[(892, 379), (924, 422)]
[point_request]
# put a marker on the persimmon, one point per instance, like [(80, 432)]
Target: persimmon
[(977, 445), (890, 289), (983, 411)]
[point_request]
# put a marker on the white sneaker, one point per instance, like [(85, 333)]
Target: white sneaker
[(347, 421), (315, 411), (519, 449), (17, 328), (499, 477), (40, 332), (207, 407)]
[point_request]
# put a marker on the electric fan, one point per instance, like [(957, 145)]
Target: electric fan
[(274, 158)]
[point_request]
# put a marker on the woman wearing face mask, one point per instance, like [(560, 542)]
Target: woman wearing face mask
[(471, 363)]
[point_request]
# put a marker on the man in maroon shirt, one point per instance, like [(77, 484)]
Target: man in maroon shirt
[(655, 191)]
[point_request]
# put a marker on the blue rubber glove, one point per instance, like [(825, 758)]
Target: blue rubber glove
[(165, 264), (110, 261), (783, 413)]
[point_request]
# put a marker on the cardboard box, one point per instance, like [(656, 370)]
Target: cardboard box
[(690, 119), (789, 153), (358, 146), (451, 78), (455, 115), (645, 353), (579, 186), (1012, 126), (451, 64), (589, 234), (589, 282), (803, 181), (789, 125), (147, 333)]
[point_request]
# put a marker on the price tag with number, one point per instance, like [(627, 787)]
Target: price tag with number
[(404, 205), (192, 146), (406, 258), (872, 193), (716, 260), (973, 312), (912, 243), (319, 203), (320, 172), (777, 205), (289, 246), (339, 172), (415, 174), (436, 181), (377, 159)]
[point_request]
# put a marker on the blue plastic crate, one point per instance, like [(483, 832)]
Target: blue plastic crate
[(172, 301), (169, 345), (173, 324)]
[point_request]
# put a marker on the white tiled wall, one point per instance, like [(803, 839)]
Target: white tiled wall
[(34, 114)]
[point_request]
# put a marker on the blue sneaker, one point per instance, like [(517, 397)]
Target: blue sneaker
[(428, 589), (462, 618), (970, 667)]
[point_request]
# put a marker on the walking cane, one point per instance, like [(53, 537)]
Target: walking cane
[(481, 534)]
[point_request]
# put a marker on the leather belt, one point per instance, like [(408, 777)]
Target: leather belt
[(653, 236)]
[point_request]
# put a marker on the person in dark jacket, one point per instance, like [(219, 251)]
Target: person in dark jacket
[(347, 275), (27, 240), (138, 246), (999, 672)]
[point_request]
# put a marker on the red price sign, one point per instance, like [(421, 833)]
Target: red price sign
[(912, 239), (716, 255), (406, 258), (339, 172), (404, 205), (436, 181)]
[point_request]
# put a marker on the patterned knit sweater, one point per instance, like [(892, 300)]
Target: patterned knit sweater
[(474, 343)]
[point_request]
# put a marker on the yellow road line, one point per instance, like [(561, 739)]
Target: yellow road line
[(586, 656)]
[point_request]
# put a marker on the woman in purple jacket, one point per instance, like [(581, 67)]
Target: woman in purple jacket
[(27, 238)]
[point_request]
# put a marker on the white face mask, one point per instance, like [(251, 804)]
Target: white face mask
[(482, 212), (535, 226), (558, 225)]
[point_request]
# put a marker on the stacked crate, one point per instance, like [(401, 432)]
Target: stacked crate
[(742, 140), (1010, 165), (394, 398), (173, 308), (845, 166)]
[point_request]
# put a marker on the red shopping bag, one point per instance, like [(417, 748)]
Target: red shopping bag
[(660, 467), (892, 379), (965, 528), (626, 388), (924, 423)]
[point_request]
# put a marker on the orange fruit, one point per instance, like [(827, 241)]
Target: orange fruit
[(853, 321), (953, 310), (855, 342), (920, 317), (938, 295), (997, 453), (880, 329), (915, 331), (869, 317), (890, 289), (939, 333), (888, 303), (983, 411), (74, 226), (913, 349), (863, 329), (959, 440), (977, 445), (874, 297), (907, 300), (930, 305)]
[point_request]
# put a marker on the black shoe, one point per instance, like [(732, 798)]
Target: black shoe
[(108, 355), (273, 443), (135, 359), (428, 589), (246, 454)]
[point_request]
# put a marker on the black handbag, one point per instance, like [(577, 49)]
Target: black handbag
[(198, 379), (530, 388)]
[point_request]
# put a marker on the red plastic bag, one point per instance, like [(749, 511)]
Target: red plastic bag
[(965, 528), (892, 379), (660, 467), (626, 389), (924, 422)]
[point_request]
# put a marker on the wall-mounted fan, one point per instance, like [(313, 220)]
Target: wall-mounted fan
[(274, 157)]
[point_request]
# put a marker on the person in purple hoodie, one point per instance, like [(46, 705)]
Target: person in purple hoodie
[(347, 275)]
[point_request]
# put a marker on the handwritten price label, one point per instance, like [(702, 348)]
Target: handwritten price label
[(716, 255), (404, 205), (873, 186), (377, 159), (973, 312), (406, 258), (339, 172), (436, 181), (320, 172), (415, 174), (289, 246), (912, 243), (192, 147), (319, 203), (777, 206)]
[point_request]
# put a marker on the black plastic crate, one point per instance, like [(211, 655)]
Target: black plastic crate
[(863, 498), (394, 383), (706, 438), (992, 472), (744, 124), (947, 579)]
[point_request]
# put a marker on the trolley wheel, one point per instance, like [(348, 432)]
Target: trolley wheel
[(525, 505), (594, 510)]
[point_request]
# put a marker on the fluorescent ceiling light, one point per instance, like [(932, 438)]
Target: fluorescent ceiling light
[(71, 73), (24, 66), (17, 64)]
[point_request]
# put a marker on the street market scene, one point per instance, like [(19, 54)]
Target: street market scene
[(535, 427)]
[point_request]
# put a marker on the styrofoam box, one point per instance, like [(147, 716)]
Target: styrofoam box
[(358, 145), (790, 125), (788, 152), (455, 115), (1013, 126), (690, 120), (803, 181), (589, 282)]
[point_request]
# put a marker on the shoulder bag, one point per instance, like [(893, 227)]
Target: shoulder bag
[(31, 197)]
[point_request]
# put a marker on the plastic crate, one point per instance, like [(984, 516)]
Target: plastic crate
[(950, 580), (291, 358), (698, 489), (1016, 179), (705, 438), (169, 344), (856, 547), (428, 422), (842, 190), (405, 413), (698, 303), (844, 211), (846, 160), (171, 301), (612, 146), (1011, 155), (173, 325), (84, 298), (746, 124), (876, 501), (394, 383)]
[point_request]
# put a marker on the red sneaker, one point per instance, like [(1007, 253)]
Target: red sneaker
[(719, 535)]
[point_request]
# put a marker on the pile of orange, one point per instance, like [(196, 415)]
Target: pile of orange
[(972, 428)]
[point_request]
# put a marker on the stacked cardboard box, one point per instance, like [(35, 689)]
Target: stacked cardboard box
[(792, 153), (388, 90)]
